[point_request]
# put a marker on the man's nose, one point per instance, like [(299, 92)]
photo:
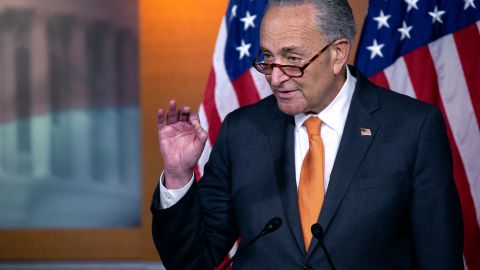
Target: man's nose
[(278, 77)]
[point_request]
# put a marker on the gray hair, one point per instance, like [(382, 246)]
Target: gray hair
[(334, 18)]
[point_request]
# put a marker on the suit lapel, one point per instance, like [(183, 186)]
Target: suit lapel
[(281, 136), (353, 147)]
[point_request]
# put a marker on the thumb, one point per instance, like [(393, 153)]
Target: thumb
[(194, 119), (201, 134)]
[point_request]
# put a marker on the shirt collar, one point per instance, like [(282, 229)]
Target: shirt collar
[(335, 114)]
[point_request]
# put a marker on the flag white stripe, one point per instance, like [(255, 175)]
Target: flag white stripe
[(261, 83), (208, 147), (225, 97), (203, 117), (459, 110), (233, 250), (398, 78), (204, 157)]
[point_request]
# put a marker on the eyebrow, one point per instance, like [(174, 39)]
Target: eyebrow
[(284, 50)]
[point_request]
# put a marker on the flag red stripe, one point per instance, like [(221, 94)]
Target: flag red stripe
[(380, 79), (245, 89), (421, 71), (197, 173), (471, 250), (222, 264), (425, 82), (213, 118), (467, 41), (471, 229)]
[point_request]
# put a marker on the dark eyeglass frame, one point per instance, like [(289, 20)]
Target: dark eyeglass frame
[(260, 67)]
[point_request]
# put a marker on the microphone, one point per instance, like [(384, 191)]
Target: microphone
[(272, 225), (317, 232)]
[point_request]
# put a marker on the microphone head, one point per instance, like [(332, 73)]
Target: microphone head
[(317, 231), (273, 224)]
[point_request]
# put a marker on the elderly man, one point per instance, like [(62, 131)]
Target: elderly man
[(371, 167)]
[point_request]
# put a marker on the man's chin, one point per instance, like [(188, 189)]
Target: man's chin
[(289, 108)]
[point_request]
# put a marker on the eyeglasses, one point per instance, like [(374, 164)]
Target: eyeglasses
[(289, 70)]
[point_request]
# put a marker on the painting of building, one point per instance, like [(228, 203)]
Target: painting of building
[(69, 114)]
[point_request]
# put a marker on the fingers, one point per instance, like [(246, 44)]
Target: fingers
[(172, 116), (183, 113), (160, 117)]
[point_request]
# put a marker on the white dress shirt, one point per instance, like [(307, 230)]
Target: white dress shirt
[(333, 121), (169, 197)]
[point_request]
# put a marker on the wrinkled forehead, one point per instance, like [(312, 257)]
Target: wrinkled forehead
[(289, 27)]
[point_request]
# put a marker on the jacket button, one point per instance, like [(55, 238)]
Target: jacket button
[(307, 267)]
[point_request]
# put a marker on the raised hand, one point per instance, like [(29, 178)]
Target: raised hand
[(182, 140)]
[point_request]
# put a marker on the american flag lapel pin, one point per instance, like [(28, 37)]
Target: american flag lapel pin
[(365, 132)]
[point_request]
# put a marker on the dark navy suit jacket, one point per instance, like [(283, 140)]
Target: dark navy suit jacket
[(391, 202)]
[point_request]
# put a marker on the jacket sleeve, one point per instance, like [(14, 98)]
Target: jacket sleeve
[(436, 219), (198, 231)]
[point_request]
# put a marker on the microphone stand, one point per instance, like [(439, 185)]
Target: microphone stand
[(271, 226), (317, 232)]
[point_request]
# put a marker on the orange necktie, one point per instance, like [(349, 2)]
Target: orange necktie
[(311, 190)]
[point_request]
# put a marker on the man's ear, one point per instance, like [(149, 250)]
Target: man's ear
[(341, 49)]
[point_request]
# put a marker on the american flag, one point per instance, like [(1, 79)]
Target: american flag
[(430, 50), (233, 82), (423, 48)]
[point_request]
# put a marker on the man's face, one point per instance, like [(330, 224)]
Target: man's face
[(289, 36)]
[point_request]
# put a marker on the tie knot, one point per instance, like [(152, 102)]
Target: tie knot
[(313, 124)]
